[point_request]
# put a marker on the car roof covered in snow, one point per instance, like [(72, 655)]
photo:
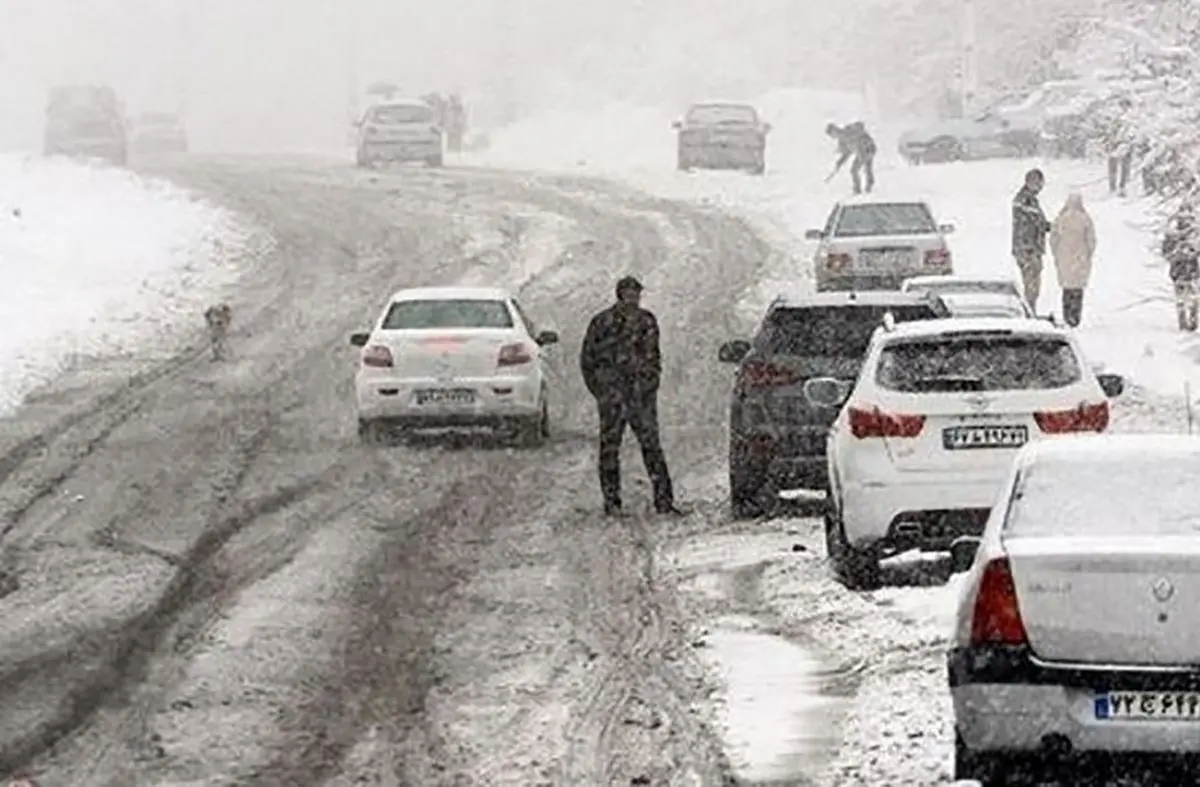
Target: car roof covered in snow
[(398, 102), (956, 326), (452, 294), (807, 299), (956, 278), (1107, 447), (721, 102)]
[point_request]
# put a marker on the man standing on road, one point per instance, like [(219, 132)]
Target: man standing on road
[(853, 140), (1029, 229), (1118, 147), (622, 367)]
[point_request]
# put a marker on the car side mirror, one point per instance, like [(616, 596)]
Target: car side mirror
[(677, 125), (734, 351), (359, 339), (826, 391), (1113, 384), (962, 553), (545, 338), (814, 235), (946, 229)]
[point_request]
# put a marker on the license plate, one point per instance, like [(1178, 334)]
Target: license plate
[(959, 438), (446, 396), (1148, 706), (889, 259)]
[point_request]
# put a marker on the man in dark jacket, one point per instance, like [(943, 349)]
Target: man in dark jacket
[(622, 366), (1029, 229), (1181, 249), (853, 140)]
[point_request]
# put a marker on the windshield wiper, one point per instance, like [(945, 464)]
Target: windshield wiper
[(947, 384)]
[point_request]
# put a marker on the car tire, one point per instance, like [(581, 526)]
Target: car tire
[(759, 168), (371, 432), (990, 770), (748, 493), (949, 149), (535, 431), (857, 568)]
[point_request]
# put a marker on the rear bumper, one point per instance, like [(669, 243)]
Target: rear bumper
[(1005, 699), (891, 280), (717, 155), (924, 511), (497, 399), (418, 150)]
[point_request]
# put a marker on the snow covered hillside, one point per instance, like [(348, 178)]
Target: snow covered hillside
[(98, 261)]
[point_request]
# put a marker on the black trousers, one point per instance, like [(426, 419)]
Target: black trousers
[(1072, 306), (864, 164), (640, 413), (1118, 171)]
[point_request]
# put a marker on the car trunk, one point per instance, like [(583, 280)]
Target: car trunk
[(444, 354), (1124, 599)]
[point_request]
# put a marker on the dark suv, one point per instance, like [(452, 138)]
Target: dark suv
[(776, 436)]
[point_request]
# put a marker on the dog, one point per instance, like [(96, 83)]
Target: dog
[(218, 318)]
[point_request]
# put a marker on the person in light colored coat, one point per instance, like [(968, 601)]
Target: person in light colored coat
[(1073, 244)]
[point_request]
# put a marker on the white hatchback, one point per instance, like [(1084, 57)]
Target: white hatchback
[(446, 357), (928, 432), (874, 244), (1076, 629)]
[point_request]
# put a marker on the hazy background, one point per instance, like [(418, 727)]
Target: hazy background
[(269, 74)]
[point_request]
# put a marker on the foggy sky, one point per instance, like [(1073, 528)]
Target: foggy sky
[(260, 74)]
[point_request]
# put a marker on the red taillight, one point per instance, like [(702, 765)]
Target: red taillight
[(937, 257), (876, 423), (1084, 418), (997, 616), (760, 374), (514, 355), (377, 356), (837, 261)]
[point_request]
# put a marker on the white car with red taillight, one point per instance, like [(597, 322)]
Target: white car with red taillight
[(929, 430), (399, 131), (1076, 631), (873, 244), (448, 357)]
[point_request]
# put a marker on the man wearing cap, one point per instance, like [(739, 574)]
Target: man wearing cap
[(622, 367)]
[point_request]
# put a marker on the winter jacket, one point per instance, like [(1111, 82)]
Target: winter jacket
[(1029, 224), (1073, 243), (853, 140), (620, 356), (1180, 248), (1117, 137)]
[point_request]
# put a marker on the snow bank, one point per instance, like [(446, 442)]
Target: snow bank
[(99, 261)]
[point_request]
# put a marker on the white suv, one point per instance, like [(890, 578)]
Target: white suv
[(929, 430)]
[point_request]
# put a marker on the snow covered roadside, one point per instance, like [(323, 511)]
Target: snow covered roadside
[(100, 262)]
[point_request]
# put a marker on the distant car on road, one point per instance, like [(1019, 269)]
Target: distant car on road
[(926, 435), (395, 130), (777, 436), (871, 243), (447, 357), (1077, 612), (159, 132), (86, 121), (997, 132), (967, 296), (722, 135)]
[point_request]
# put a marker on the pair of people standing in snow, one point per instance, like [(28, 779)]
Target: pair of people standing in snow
[(1072, 241)]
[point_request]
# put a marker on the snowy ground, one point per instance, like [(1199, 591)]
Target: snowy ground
[(780, 625), (98, 261)]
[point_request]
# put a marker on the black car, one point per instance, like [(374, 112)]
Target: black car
[(776, 436)]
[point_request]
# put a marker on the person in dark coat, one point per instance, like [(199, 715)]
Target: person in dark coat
[(853, 140), (1029, 229), (622, 367), (1181, 249)]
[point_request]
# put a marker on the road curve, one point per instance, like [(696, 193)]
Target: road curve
[(207, 580)]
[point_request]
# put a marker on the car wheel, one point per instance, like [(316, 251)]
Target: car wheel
[(759, 168), (990, 770), (947, 149), (857, 568), (533, 432), (748, 492), (371, 432)]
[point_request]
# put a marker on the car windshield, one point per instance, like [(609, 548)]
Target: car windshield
[(709, 114), (1154, 496), (946, 363), (396, 114), (830, 331), (416, 315), (858, 221)]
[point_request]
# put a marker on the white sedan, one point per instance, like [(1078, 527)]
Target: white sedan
[(1076, 630), (447, 357)]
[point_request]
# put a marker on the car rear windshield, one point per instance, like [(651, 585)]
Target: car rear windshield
[(721, 113), (1106, 496), (415, 315), (394, 115), (949, 363), (858, 221), (830, 331)]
